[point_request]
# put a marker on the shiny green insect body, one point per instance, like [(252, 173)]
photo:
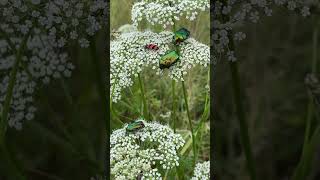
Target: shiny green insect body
[(168, 59), (135, 126), (181, 35)]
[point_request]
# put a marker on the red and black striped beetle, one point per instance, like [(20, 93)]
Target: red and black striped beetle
[(151, 46)]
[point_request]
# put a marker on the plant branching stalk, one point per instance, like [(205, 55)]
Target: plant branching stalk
[(144, 101), (173, 85), (244, 134), (10, 88), (173, 105), (6, 106), (7, 101), (190, 122)]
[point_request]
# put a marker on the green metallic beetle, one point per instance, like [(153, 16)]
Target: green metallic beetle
[(181, 35), (135, 125), (168, 59)]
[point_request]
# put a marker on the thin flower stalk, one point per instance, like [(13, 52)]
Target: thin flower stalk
[(12, 82), (225, 17), (244, 134), (173, 116), (143, 96), (189, 121)]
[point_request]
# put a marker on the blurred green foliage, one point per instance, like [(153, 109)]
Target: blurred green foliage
[(273, 61), (66, 139)]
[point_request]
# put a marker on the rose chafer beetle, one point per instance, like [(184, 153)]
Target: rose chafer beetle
[(181, 35), (168, 59), (135, 125)]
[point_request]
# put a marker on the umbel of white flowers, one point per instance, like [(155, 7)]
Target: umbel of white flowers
[(40, 64), (165, 12), (145, 152), (128, 57), (202, 171), (48, 26), (61, 20), (240, 12)]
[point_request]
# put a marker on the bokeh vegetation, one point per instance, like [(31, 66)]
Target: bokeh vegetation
[(66, 139), (274, 60)]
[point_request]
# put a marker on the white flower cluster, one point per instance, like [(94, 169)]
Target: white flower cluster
[(62, 20), (40, 63), (48, 26), (145, 152), (164, 12), (128, 57), (202, 171), (233, 13), (21, 104)]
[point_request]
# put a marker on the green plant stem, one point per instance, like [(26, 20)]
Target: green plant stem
[(7, 101), (173, 84), (244, 134), (102, 90), (12, 81), (5, 112), (189, 120), (310, 105), (144, 101)]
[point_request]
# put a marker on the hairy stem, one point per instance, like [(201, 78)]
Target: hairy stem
[(244, 134), (144, 101)]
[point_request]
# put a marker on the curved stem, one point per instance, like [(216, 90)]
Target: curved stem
[(244, 134), (143, 96), (189, 120)]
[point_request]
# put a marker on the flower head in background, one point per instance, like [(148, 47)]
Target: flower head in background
[(46, 26), (62, 20), (40, 63), (129, 56), (165, 12), (145, 152), (231, 14), (202, 171)]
